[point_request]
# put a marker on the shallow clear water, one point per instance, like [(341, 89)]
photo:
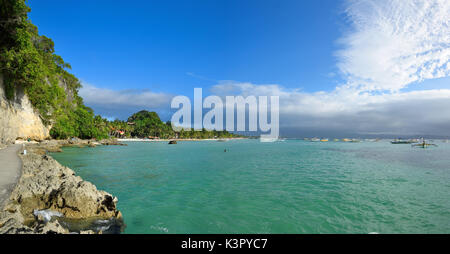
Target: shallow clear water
[(283, 187)]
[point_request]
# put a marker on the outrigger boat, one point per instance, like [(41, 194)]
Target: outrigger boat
[(352, 140), (423, 144)]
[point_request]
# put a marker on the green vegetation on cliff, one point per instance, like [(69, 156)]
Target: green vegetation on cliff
[(28, 62)]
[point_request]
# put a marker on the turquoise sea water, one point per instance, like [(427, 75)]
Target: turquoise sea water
[(282, 187)]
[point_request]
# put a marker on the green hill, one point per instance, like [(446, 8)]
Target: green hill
[(144, 124)]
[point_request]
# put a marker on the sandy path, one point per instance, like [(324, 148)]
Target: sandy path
[(10, 167)]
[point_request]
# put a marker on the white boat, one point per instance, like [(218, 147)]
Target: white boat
[(402, 141), (267, 140)]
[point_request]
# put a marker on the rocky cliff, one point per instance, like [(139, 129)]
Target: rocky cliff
[(18, 119)]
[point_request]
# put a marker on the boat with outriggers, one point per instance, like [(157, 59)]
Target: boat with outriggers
[(424, 144), (399, 141), (319, 140), (351, 140), (354, 140)]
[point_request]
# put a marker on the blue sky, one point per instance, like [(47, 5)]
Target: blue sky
[(351, 66), (157, 44)]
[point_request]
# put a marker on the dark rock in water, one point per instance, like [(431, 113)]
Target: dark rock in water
[(109, 203), (172, 142), (111, 142)]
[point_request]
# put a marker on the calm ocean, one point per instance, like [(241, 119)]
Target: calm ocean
[(283, 187)]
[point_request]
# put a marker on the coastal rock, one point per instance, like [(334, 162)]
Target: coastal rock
[(53, 227), (88, 232), (53, 149), (172, 142), (13, 222), (46, 185), (111, 142)]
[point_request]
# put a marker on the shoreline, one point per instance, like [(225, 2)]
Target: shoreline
[(175, 139), (51, 198)]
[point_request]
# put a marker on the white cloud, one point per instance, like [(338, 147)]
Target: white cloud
[(137, 98), (122, 103), (393, 43), (347, 110)]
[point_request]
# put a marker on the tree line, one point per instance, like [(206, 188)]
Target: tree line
[(145, 124)]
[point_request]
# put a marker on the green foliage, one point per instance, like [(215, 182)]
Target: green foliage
[(13, 16), (145, 124), (80, 123), (116, 126), (28, 61), (148, 124), (63, 128), (20, 62)]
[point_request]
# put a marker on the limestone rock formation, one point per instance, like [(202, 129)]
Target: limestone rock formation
[(18, 119)]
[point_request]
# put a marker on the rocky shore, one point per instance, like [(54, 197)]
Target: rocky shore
[(50, 198)]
